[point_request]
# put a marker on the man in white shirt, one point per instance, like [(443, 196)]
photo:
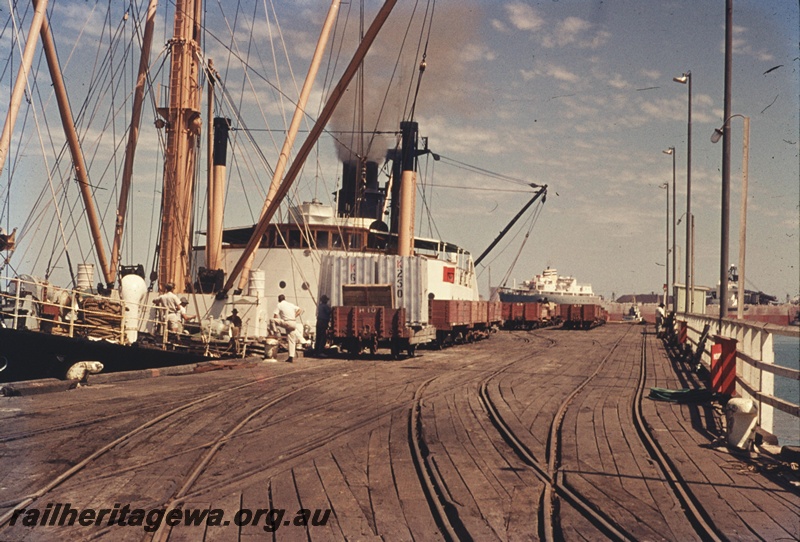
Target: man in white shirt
[(172, 308), (285, 315)]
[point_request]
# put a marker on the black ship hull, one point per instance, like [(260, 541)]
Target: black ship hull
[(30, 355), (521, 296)]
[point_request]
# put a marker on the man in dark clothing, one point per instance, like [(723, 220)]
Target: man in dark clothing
[(323, 320), (236, 329)]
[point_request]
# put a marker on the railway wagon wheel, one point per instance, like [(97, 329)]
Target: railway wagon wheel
[(353, 347)]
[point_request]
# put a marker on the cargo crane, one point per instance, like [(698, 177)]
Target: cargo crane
[(542, 192)]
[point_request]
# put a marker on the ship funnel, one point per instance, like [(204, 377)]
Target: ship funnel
[(360, 195), (408, 189), (216, 194)]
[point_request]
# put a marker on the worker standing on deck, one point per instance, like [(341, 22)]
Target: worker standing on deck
[(183, 315), (172, 306), (323, 319), (235, 329), (286, 314)]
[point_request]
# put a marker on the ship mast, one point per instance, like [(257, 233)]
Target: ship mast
[(183, 125)]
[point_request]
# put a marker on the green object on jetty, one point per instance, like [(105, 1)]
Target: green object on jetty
[(685, 395)]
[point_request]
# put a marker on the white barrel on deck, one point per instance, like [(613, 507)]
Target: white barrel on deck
[(741, 416), (85, 277), (256, 285)]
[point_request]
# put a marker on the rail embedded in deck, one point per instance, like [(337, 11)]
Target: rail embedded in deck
[(755, 361)]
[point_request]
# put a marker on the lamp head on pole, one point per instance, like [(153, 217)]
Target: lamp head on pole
[(664, 185), (669, 150), (718, 132), (683, 79)]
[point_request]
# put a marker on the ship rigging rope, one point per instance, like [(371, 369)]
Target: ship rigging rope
[(534, 218), (98, 85), (229, 101), (421, 70), (246, 79), (531, 222), (475, 169), (40, 139)]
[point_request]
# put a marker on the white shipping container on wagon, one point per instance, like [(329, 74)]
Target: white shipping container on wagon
[(339, 269), (407, 276)]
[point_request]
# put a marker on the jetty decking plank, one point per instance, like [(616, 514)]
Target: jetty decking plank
[(312, 497), (285, 496), (345, 507), (473, 465), (224, 533), (444, 458), (414, 508), (189, 533), (353, 471), (384, 499)]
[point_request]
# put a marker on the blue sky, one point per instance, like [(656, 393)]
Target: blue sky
[(559, 99), (574, 94)]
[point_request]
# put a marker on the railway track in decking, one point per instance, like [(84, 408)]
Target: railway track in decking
[(433, 485), (152, 423), (693, 510), (548, 471), (415, 451)]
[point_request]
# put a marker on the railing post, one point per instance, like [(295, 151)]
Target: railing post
[(766, 381), (17, 301), (123, 339)]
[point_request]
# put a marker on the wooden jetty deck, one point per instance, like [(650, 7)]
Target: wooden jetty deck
[(526, 436)]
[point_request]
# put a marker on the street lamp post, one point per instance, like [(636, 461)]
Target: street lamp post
[(684, 79), (671, 151), (718, 133), (726, 166), (666, 249)]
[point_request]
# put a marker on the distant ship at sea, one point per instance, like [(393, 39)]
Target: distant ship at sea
[(550, 287)]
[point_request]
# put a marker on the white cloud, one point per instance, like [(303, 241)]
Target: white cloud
[(741, 46), (618, 82), (562, 74), (523, 17), (651, 74), (499, 26), (572, 31)]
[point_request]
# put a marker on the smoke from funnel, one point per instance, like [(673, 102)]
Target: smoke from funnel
[(390, 77)]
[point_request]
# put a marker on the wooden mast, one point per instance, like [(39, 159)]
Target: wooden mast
[(22, 79), (183, 126), (78, 163)]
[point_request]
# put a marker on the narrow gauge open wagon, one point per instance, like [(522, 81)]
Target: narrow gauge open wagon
[(459, 320), (518, 315), (583, 316), (355, 328)]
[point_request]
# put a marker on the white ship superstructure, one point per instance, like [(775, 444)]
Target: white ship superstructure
[(289, 257), (552, 287)]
